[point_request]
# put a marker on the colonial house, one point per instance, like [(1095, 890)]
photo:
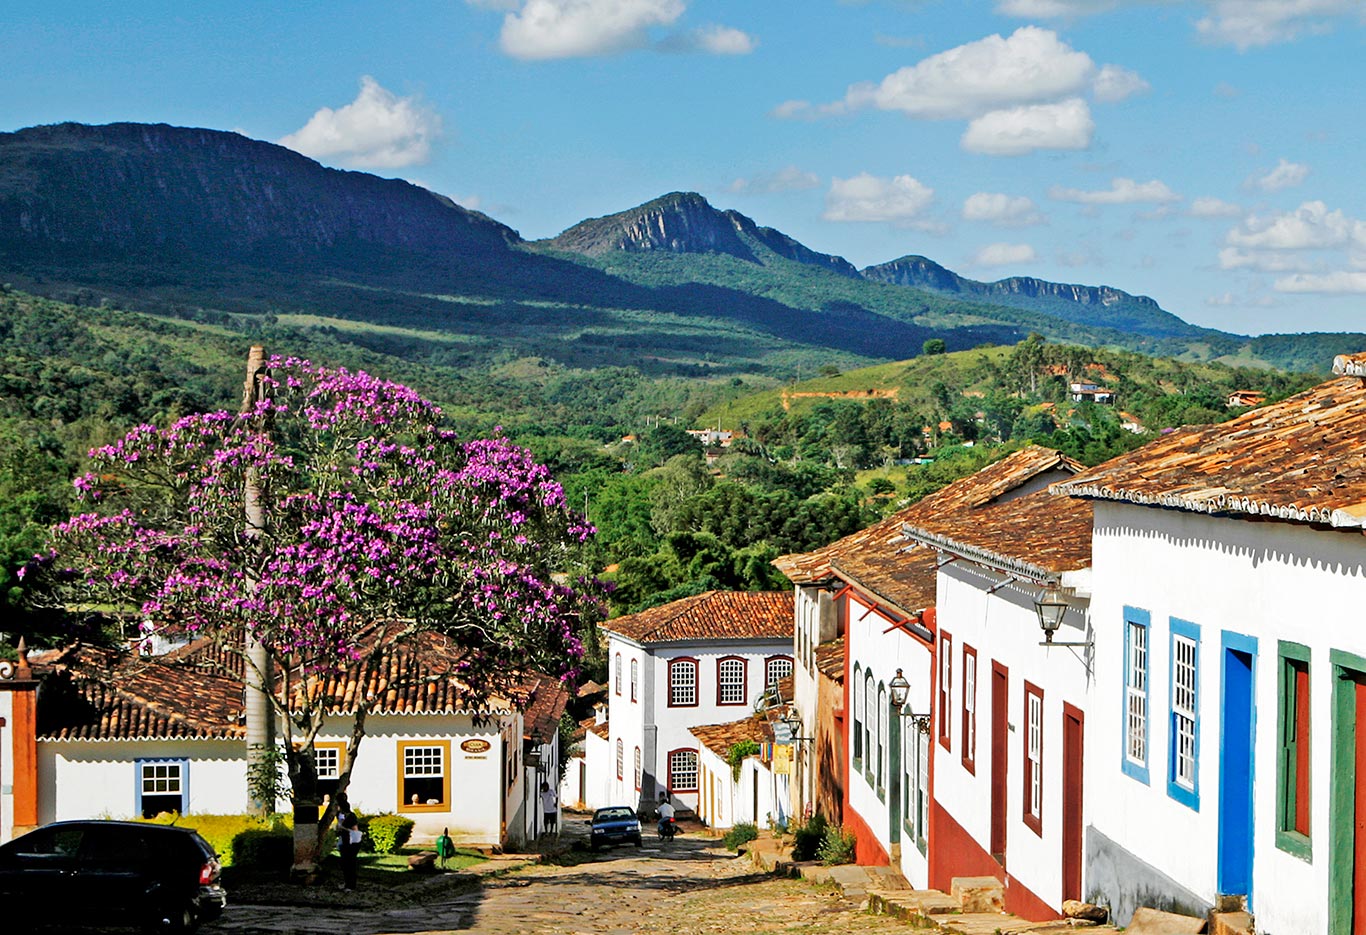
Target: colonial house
[(705, 659), (95, 732), (585, 784), (1009, 700), (1226, 754), (740, 774), (1241, 399)]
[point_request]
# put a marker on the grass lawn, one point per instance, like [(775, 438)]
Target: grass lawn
[(381, 868)]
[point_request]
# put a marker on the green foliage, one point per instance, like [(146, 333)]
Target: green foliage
[(740, 834), (238, 839), (387, 833), (262, 849), (808, 836), (837, 846), (267, 774), (735, 756), (934, 346)]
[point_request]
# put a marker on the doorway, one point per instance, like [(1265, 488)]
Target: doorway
[(1000, 684), (1072, 823), (1236, 744), (1347, 880)]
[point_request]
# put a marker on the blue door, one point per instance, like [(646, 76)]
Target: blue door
[(1235, 767)]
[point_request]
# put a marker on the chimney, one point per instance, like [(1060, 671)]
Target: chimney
[(599, 713)]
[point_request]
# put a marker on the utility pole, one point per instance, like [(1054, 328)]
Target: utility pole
[(256, 673)]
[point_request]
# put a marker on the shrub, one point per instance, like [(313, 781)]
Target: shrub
[(223, 831), (387, 833), (742, 833), (837, 847), (807, 837), (263, 849)]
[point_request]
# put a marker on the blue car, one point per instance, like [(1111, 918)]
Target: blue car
[(615, 824)]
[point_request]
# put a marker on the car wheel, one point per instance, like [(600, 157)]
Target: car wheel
[(173, 918), (639, 842)]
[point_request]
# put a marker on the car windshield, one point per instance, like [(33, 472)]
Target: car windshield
[(613, 814)]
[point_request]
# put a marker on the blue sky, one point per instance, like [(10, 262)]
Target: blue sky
[(1208, 153)]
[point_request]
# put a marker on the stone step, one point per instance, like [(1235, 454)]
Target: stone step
[(1148, 921), (1231, 923), (979, 894)]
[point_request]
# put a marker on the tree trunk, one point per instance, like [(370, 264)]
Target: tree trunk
[(260, 721)]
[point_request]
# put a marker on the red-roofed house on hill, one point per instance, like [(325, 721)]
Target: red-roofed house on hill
[(115, 734), (1227, 736), (700, 660)]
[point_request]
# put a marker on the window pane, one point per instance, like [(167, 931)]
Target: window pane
[(1183, 711), (683, 683), (730, 674), (777, 670), (683, 770)]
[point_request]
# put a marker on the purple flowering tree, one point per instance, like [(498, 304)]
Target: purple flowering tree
[(330, 519)]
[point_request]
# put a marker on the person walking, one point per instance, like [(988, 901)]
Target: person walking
[(348, 840), (550, 808)]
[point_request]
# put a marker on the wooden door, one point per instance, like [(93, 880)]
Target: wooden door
[(1000, 684), (1072, 827)]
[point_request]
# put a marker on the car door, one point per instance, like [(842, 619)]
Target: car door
[(112, 873), (40, 867)]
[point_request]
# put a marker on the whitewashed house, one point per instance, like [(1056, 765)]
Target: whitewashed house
[(1227, 736), (585, 785), (1008, 713), (119, 736), (704, 659), (750, 789)]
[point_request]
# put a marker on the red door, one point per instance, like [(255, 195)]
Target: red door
[(1000, 683), (1359, 847), (1072, 828)]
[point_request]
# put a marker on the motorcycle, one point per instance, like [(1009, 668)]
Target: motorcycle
[(667, 829)]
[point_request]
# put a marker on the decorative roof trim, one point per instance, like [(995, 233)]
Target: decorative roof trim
[(1350, 365), (986, 557), (1220, 503)]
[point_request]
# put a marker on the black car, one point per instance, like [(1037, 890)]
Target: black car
[(110, 873), (615, 824)]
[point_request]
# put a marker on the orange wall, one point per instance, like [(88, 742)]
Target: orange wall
[(955, 853)]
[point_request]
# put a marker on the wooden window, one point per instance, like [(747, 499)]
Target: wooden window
[(329, 759), (881, 738), (163, 786), (969, 709), (945, 688), (637, 769), (1183, 778), (857, 692), (621, 758), (869, 726), (635, 678), (424, 776), (731, 681), (683, 683), (1292, 768), (776, 668), (1033, 758), (1134, 761), (616, 675), (683, 770)]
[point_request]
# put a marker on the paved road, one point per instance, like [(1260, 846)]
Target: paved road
[(682, 888)]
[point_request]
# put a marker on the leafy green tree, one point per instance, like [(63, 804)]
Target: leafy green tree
[(933, 346), (663, 442)]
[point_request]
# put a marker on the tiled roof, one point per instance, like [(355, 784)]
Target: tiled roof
[(1302, 459), (871, 558), (719, 738), (102, 694), (599, 730), (830, 659), (713, 615)]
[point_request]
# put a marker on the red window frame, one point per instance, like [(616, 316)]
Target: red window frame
[(780, 657), (969, 714), (744, 681), (1032, 820), (635, 678), (696, 687), (616, 676), (945, 689), (697, 770)]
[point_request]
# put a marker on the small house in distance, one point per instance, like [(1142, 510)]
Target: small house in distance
[(1242, 398)]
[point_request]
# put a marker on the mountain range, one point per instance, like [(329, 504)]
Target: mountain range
[(195, 222)]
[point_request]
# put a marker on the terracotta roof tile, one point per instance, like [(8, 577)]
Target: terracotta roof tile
[(830, 659), (713, 615), (719, 738), (599, 730), (1302, 459)]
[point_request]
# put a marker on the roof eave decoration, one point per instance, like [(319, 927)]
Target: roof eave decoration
[(1350, 365), (981, 556), (1349, 517)]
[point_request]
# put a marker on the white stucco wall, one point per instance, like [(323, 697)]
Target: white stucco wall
[(1269, 580), (631, 723), (1003, 627), (876, 649), (6, 767), (807, 636), (725, 802)]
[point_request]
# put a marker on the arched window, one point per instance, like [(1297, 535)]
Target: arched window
[(637, 769), (857, 694), (683, 770), (869, 724), (881, 736), (683, 683), (635, 677), (621, 758), (730, 681), (776, 668), (616, 675)]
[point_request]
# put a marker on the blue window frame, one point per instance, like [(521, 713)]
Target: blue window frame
[(1183, 770), (163, 785), (1134, 705)]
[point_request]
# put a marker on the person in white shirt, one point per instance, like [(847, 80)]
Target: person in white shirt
[(550, 807), (665, 811)]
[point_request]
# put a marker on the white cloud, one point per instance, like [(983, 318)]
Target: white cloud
[(993, 73), (713, 39), (1262, 261), (1115, 83), (1245, 24), (1311, 226), (378, 130), (1004, 254), (805, 110), (1286, 175), (1020, 130), (1220, 300), (1121, 192), (1209, 207), (786, 179), (870, 198), (550, 29), (1336, 283), (1001, 210)]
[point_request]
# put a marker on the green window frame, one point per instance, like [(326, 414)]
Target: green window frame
[(1293, 712)]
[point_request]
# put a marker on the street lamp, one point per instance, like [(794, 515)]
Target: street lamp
[(1051, 606), (899, 689), (793, 722)]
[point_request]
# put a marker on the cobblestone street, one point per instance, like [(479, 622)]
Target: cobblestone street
[(689, 886)]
